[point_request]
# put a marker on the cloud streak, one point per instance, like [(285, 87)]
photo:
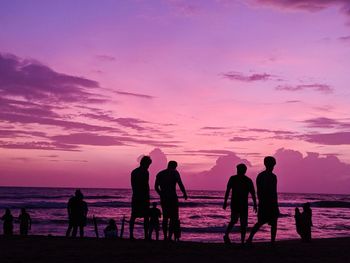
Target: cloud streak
[(323, 88), (237, 76)]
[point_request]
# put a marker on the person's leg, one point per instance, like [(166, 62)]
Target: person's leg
[(255, 229), (273, 231), (243, 223), (157, 234), (75, 230), (81, 230), (171, 227), (165, 227), (131, 227), (69, 230), (146, 226), (150, 231)]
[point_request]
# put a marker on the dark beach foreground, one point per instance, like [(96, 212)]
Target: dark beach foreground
[(59, 249)]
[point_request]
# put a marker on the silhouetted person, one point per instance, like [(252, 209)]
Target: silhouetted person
[(303, 222), (268, 211), (241, 186), (154, 215), (111, 230), (8, 223), (77, 213), (25, 222), (140, 195), (165, 186)]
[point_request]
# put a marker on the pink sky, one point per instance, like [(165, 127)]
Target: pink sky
[(86, 88)]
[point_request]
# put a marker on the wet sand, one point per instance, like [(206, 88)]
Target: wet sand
[(60, 249)]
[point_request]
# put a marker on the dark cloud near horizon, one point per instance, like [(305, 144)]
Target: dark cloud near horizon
[(242, 139), (323, 122)]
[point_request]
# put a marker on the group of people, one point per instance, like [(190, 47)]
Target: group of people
[(24, 220), (165, 185)]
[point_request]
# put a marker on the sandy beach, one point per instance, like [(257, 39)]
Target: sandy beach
[(60, 249)]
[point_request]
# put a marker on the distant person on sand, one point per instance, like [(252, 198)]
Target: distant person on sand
[(25, 222), (165, 186), (303, 222), (111, 230), (8, 223), (241, 186), (140, 195), (268, 210), (77, 214), (154, 215)]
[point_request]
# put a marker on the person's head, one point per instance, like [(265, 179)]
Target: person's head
[(306, 206), (111, 222), (79, 194), (145, 161), (241, 169), (8, 211), (154, 204), (23, 210), (172, 165), (269, 163)]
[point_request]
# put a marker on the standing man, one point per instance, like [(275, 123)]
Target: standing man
[(140, 195), (25, 222), (241, 186), (165, 186), (268, 211), (77, 213)]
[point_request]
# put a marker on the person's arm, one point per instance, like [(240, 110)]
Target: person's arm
[(156, 185), (252, 192), (182, 187)]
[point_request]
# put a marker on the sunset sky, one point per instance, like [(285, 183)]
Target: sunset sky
[(87, 87)]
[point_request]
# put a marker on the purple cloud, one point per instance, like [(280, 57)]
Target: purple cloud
[(345, 39), (242, 139), (34, 81), (237, 76), (213, 128), (336, 138), (106, 58), (138, 95), (322, 122), (38, 145), (263, 130), (316, 87), (311, 173), (107, 140), (307, 5)]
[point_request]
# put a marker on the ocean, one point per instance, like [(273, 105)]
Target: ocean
[(202, 217)]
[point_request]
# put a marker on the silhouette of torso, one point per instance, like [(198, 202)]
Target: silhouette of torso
[(241, 186), (167, 180), (24, 219), (267, 189), (78, 210), (139, 184)]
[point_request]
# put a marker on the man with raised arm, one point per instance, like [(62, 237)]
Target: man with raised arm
[(268, 211), (165, 186), (140, 195), (241, 186)]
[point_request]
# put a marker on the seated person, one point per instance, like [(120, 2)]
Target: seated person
[(303, 222), (111, 230)]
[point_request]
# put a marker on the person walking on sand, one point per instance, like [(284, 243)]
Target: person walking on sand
[(268, 211), (77, 214), (8, 223), (25, 222), (140, 195), (165, 186), (303, 222), (241, 186)]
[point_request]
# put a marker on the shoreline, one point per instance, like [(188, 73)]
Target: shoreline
[(58, 249)]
